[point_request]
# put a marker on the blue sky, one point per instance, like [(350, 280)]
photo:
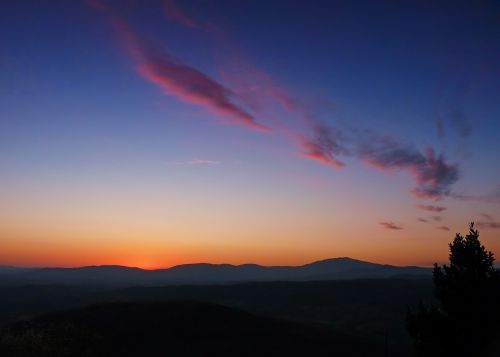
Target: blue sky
[(132, 102)]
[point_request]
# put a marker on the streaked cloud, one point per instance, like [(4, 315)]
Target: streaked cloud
[(325, 144), (438, 123), (431, 208), (174, 13), (390, 225), (451, 99), (488, 225), (324, 147), (461, 123), (179, 79), (432, 174), (443, 228), (487, 216), (493, 198), (195, 87)]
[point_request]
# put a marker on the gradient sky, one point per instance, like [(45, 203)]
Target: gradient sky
[(153, 133)]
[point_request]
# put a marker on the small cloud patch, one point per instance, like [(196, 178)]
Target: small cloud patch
[(390, 225)]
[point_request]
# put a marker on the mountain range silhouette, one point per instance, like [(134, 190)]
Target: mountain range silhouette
[(204, 273)]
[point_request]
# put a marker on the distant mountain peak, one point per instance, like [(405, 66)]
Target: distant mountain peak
[(341, 261), (340, 268)]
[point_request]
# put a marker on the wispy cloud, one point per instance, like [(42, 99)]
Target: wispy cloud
[(174, 13), (423, 220), (261, 92), (431, 208), (198, 162), (195, 87), (432, 174), (178, 79), (451, 111), (326, 144), (437, 218), (489, 222), (324, 147), (461, 123), (248, 76), (390, 225), (487, 216), (253, 83), (438, 122), (493, 198), (488, 225), (443, 228)]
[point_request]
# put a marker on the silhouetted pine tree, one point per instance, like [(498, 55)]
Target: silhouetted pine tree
[(468, 291)]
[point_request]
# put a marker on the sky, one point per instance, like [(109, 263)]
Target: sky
[(161, 132)]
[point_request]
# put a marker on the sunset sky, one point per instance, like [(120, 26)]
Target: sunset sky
[(152, 133)]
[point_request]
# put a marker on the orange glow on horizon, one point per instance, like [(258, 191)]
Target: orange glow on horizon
[(153, 255)]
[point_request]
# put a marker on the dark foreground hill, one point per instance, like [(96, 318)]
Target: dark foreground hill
[(369, 310), (172, 329), (119, 276)]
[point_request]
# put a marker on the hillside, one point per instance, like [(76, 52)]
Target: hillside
[(173, 328), (371, 310)]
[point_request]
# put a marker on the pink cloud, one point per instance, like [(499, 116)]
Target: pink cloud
[(432, 174), (491, 198), (174, 13), (390, 225), (431, 208), (324, 147), (489, 225), (314, 152), (269, 88), (443, 228), (195, 87), (487, 216), (256, 91), (178, 79), (262, 94), (423, 220)]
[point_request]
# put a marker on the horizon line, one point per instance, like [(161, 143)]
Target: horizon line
[(201, 263)]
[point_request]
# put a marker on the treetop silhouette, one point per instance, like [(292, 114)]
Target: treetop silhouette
[(468, 291)]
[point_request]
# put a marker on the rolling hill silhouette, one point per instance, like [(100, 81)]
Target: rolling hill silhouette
[(329, 269), (176, 328)]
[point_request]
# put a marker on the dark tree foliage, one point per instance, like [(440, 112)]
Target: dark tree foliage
[(468, 292)]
